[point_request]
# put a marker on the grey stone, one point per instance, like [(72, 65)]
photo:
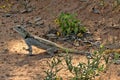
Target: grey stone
[(39, 23), (37, 19), (7, 15)]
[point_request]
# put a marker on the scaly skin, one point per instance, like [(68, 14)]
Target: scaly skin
[(39, 42)]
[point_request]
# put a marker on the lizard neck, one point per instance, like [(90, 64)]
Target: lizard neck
[(24, 34), (27, 36)]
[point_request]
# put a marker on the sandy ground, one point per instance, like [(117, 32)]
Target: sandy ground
[(14, 62)]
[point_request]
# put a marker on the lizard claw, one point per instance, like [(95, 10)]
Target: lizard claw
[(31, 55)]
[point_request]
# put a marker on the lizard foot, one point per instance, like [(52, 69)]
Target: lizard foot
[(31, 54)]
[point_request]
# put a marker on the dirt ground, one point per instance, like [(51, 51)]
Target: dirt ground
[(15, 64)]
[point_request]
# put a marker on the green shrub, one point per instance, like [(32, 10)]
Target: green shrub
[(51, 74), (83, 71), (69, 24), (116, 4)]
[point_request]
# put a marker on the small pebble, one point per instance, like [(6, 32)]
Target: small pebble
[(5, 50), (37, 19), (39, 23), (117, 62), (96, 11), (7, 15)]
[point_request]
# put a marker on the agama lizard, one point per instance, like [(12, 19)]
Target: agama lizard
[(49, 46)]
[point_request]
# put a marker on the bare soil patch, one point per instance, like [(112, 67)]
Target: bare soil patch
[(14, 62)]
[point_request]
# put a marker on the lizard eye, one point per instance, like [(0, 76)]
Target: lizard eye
[(18, 27)]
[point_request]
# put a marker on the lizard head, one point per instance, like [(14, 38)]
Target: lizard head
[(21, 30)]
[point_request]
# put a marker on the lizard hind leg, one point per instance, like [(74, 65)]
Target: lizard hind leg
[(51, 51)]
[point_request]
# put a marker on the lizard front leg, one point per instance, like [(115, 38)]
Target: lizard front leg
[(28, 42)]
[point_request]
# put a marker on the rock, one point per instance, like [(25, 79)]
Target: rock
[(7, 15), (39, 23), (53, 36), (5, 50), (96, 11), (37, 19), (117, 62), (24, 11), (76, 43), (97, 44), (16, 21), (63, 39), (27, 10)]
